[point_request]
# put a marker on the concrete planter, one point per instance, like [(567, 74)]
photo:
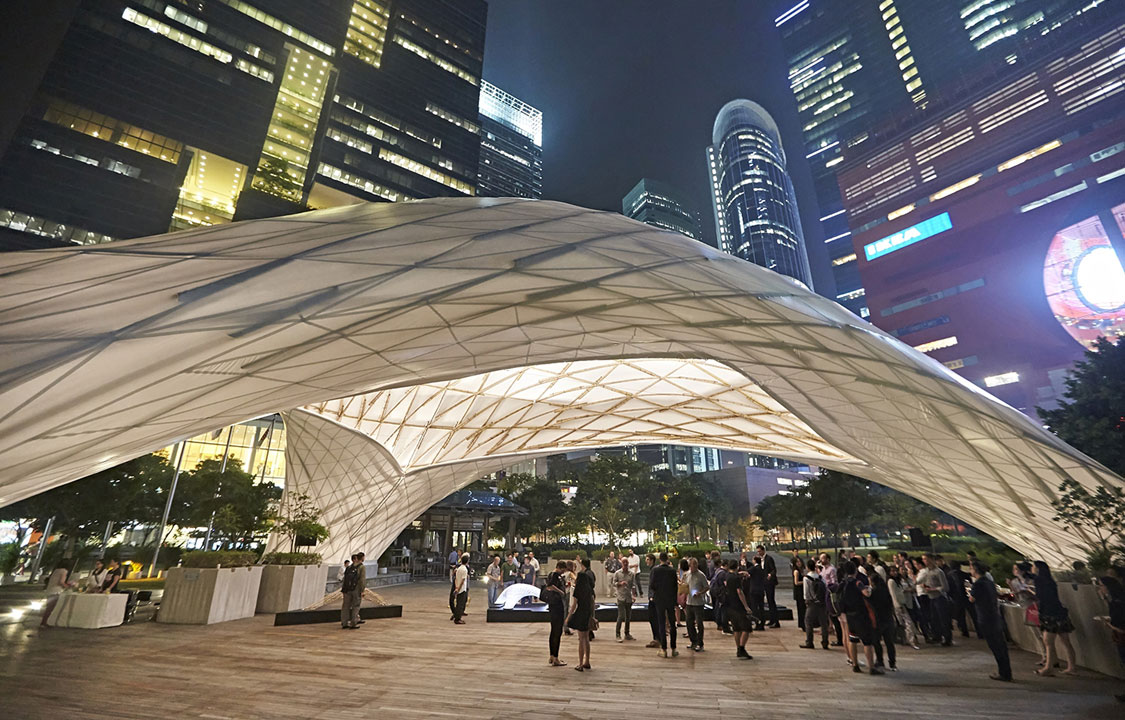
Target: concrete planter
[(290, 587), (202, 596)]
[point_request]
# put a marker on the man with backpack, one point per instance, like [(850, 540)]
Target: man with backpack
[(816, 607), (355, 579), (719, 595)]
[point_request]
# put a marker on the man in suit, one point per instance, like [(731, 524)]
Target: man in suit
[(663, 584), (770, 568), (988, 619)]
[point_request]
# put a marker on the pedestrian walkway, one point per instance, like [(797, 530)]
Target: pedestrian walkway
[(423, 666)]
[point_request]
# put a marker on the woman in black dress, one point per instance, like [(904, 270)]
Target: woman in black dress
[(797, 567), (554, 594), (581, 614), (1054, 620)]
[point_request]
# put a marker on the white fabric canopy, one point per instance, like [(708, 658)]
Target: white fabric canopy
[(405, 340)]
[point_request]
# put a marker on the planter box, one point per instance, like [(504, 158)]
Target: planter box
[(201, 596), (290, 587)]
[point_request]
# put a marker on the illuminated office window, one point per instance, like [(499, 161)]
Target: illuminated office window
[(945, 342), (1002, 379), (426, 171), (367, 31), (210, 191), (436, 60), (105, 128)]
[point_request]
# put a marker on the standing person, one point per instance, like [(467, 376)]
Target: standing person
[(934, 583), (568, 577), (1054, 620), (737, 609), (902, 595), (714, 564), (882, 609), (989, 624), (461, 589), (1023, 590), (57, 582), (663, 583), (612, 565), (650, 561), (634, 562), (797, 570), (925, 614), (718, 595), (757, 584), (625, 591), (453, 560), (1113, 592), (554, 596), (828, 573), (860, 625), (958, 596), (697, 586), (534, 567), (589, 571), (581, 615), (495, 576), (815, 592), (681, 592), (350, 592), (770, 569), (510, 570), (526, 575)]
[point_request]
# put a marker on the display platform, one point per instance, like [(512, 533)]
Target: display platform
[(89, 610), (311, 617), (605, 612)]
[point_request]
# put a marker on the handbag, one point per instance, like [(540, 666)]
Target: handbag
[(594, 624), (1031, 615)]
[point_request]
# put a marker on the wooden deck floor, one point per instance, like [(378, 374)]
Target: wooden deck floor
[(421, 666)]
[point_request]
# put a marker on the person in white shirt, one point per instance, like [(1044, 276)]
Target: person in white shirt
[(493, 575), (461, 588), (634, 562), (534, 567), (56, 584), (96, 577)]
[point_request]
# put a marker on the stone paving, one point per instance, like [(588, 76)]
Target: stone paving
[(422, 666)]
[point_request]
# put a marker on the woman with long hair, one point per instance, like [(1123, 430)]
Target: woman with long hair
[(554, 595), (882, 607), (797, 568), (1054, 620), (1113, 591), (581, 616), (1023, 590)]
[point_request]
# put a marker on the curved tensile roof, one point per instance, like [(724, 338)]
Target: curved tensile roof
[(405, 340)]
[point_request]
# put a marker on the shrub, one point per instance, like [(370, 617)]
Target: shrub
[(9, 558), (570, 554), (216, 558), (291, 558)]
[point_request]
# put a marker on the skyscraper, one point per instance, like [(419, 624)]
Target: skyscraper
[(755, 207), (658, 204), (859, 68), (511, 145), (153, 116)]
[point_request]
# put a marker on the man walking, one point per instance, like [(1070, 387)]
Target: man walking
[(626, 593), (816, 606), (770, 568), (351, 588), (697, 585), (461, 589), (663, 585), (612, 565), (988, 619)]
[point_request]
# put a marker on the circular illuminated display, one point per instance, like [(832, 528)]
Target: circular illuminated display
[(1085, 283)]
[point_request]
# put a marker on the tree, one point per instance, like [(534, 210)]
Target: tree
[(243, 510), (1092, 415), (840, 502), (540, 496), (299, 518), (1098, 516), (610, 493)]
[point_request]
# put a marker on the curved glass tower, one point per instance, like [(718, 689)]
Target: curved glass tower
[(755, 207)]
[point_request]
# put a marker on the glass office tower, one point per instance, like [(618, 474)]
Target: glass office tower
[(863, 68), (658, 204), (146, 116), (511, 145), (755, 207)]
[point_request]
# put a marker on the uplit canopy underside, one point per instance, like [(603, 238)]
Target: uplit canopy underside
[(442, 332)]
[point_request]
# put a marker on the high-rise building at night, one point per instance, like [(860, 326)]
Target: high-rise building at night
[(511, 145), (658, 204), (755, 206), (857, 67), (153, 116), (988, 233)]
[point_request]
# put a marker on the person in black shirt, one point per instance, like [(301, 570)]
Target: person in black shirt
[(1113, 591), (757, 592), (988, 621), (769, 567), (650, 561), (664, 583), (883, 608), (582, 613), (860, 626), (554, 594), (736, 608)]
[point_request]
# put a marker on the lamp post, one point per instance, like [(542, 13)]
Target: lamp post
[(222, 469), (167, 508)]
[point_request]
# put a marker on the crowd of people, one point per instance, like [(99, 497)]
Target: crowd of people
[(104, 578)]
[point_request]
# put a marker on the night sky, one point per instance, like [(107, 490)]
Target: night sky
[(630, 89)]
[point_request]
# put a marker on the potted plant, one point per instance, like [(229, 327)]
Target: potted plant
[(210, 587), (9, 561), (294, 580)]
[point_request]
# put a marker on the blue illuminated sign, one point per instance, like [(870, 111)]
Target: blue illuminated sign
[(909, 236)]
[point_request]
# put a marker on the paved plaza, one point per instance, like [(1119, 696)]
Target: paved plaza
[(423, 666)]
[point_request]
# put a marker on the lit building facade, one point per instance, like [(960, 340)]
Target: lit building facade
[(511, 145), (856, 67), (989, 236), (658, 204), (752, 195), (154, 116)]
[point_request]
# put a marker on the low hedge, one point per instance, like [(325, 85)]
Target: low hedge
[(291, 558), (216, 558)]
